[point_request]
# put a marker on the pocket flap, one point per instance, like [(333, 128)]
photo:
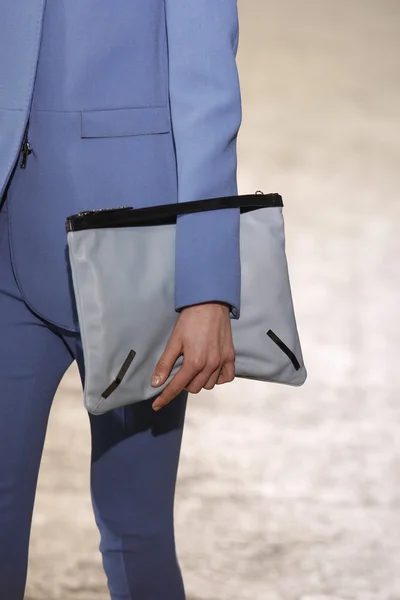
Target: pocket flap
[(124, 122)]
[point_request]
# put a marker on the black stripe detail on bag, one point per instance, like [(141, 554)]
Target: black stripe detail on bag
[(122, 372), (164, 214), (284, 349)]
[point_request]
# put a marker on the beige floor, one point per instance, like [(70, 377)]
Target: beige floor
[(286, 494)]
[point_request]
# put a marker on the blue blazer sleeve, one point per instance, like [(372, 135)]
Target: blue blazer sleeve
[(206, 115)]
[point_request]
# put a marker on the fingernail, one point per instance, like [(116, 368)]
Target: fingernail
[(157, 407), (155, 380)]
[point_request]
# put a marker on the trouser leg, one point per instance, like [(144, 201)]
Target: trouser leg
[(33, 359), (135, 454)]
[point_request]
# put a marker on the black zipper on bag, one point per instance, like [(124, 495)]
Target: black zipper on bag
[(26, 148), (291, 355), (164, 214)]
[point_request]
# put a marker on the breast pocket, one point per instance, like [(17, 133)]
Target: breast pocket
[(125, 157), (125, 122)]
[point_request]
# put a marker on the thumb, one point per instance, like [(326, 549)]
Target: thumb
[(164, 366)]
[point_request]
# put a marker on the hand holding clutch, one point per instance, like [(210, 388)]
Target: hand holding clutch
[(203, 336)]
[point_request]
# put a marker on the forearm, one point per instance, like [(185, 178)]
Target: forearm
[(206, 115)]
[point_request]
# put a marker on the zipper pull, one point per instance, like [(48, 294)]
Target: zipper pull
[(26, 149)]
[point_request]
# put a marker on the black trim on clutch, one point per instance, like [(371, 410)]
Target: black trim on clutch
[(284, 349), (122, 372), (164, 214)]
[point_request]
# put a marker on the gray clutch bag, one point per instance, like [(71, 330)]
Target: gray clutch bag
[(122, 263)]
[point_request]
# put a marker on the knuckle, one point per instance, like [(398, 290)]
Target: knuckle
[(197, 363), (230, 375), (209, 386), (213, 363), (230, 356), (196, 389), (193, 388)]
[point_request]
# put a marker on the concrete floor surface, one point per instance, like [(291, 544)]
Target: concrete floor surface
[(285, 494)]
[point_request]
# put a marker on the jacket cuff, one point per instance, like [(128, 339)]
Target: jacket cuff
[(207, 267)]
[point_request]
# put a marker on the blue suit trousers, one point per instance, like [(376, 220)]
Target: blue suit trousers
[(135, 454)]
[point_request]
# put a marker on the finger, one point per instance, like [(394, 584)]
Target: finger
[(227, 373), (212, 367), (212, 382), (177, 384), (172, 352)]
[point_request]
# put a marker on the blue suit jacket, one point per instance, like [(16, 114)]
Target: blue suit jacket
[(128, 102)]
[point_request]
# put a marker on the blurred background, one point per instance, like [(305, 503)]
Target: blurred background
[(285, 494)]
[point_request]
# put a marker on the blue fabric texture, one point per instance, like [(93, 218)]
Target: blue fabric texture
[(123, 103), (129, 103), (135, 454)]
